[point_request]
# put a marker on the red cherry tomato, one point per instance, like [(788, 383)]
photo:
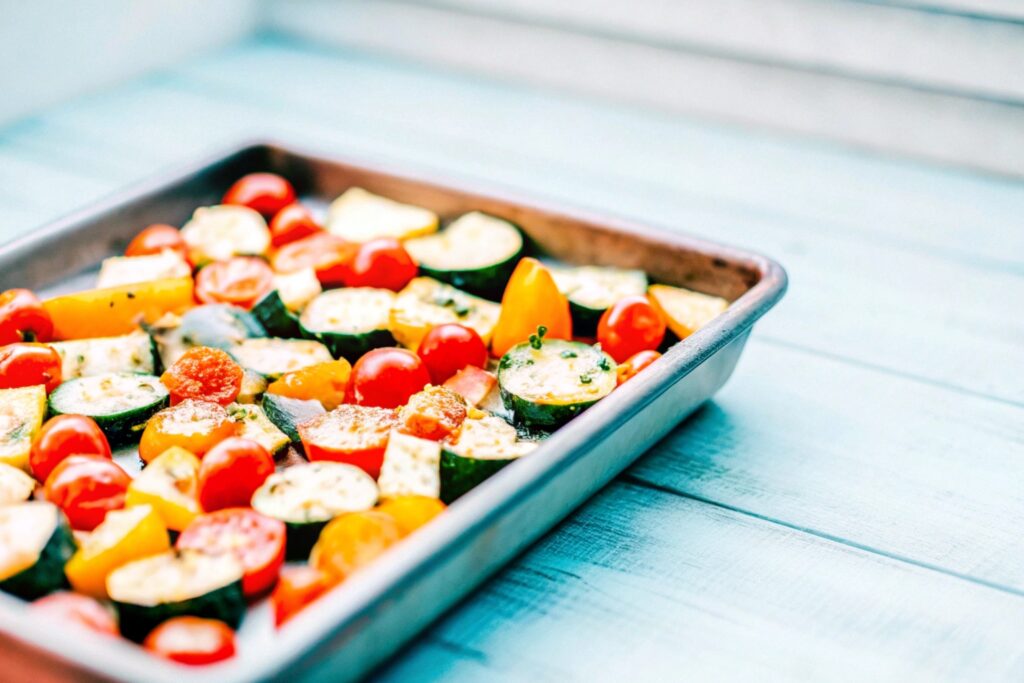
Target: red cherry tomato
[(192, 640), (292, 223), (62, 436), (65, 606), (206, 374), (630, 326), (297, 587), (155, 239), (86, 488), (329, 255), (388, 377), (240, 281), (267, 193), (231, 472), (635, 364), (448, 348), (23, 318), (256, 541), (381, 263), (26, 365)]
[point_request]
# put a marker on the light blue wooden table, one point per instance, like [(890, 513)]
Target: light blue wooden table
[(851, 506)]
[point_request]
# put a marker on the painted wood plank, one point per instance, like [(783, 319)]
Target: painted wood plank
[(643, 585)]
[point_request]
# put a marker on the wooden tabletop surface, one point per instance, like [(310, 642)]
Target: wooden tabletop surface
[(850, 506)]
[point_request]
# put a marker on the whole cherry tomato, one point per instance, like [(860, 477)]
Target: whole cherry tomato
[(387, 377), (629, 326), (297, 587), (256, 541), (206, 374), (192, 640), (241, 281), (448, 348), (23, 318), (26, 365), (292, 223), (329, 255), (381, 263), (231, 472), (267, 193), (156, 239), (63, 436), (65, 606), (635, 364), (86, 488)]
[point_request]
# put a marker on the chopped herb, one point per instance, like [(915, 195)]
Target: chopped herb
[(505, 362), (537, 340), (586, 379), (568, 354), (604, 364), (462, 310), (130, 295)]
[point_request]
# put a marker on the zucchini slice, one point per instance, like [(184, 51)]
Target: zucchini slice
[(410, 467), (360, 216), (476, 252), (288, 413), (216, 233), (684, 310), (176, 583), (592, 290), (253, 387), (120, 402), (15, 485), (548, 386), (256, 426), (274, 357), (275, 317), (307, 496), (128, 353), (298, 288), (426, 303), (480, 448), (130, 270), (221, 326), (35, 544), (350, 321), (21, 417)]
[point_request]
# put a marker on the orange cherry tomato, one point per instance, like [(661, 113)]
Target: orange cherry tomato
[(26, 365), (241, 281), (155, 239), (352, 541), (387, 377), (629, 326), (297, 587), (63, 436), (196, 426), (325, 382), (412, 512), (230, 473), (292, 223), (204, 373), (68, 607), (357, 435), (267, 193), (192, 640), (328, 255), (255, 540), (23, 318), (433, 413), (381, 263), (448, 348), (86, 488), (635, 364)]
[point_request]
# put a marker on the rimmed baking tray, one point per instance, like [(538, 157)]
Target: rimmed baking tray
[(375, 612)]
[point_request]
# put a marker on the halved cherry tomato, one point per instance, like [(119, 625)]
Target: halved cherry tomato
[(448, 348), (156, 239), (255, 540), (241, 281), (267, 193), (23, 318), (63, 436), (325, 382), (350, 542), (26, 365), (297, 587), (357, 435), (472, 383), (192, 640), (292, 223), (86, 488), (387, 377), (412, 512), (204, 373), (629, 326), (329, 255), (231, 472), (433, 413), (65, 607), (196, 426), (634, 364), (381, 263)]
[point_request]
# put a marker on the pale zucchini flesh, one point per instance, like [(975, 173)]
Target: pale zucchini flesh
[(216, 233), (129, 270), (256, 426), (361, 216), (15, 485), (315, 492), (127, 353), (426, 303), (274, 357)]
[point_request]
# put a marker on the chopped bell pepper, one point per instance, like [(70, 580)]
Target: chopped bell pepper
[(117, 310), (531, 300), (170, 483)]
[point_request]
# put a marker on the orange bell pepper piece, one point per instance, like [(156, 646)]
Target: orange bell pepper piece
[(118, 310), (531, 300)]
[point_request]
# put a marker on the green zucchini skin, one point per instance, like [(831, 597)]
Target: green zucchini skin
[(122, 427), (460, 474), (288, 413), (226, 604), (351, 346), (47, 574), (275, 317), (541, 416), (300, 539), (488, 283), (585, 319)]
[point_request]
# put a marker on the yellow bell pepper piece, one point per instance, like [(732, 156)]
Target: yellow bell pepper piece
[(170, 483), (124, 536), (324, 382), (684, 310), (531, 300), (21, 417), (118, 310)]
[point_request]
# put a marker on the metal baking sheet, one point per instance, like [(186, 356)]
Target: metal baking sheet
[(354, 628)]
